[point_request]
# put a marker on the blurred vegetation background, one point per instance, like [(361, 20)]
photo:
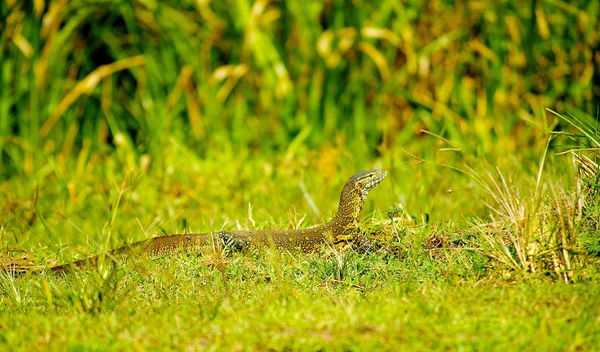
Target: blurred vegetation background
[(126, 119), (262, 74), (217, 94)]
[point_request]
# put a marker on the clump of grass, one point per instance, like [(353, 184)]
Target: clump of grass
[(550, 229), (589, 185), (535, 232), (588, 176)]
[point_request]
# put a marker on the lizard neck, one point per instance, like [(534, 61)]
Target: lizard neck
[(351, 203)]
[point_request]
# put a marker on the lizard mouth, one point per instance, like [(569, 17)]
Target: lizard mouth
[(375, 181)]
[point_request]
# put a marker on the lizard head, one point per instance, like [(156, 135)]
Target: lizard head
[(355, 191)]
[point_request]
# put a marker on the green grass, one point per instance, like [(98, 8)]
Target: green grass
[(263, 301), (421, 285), (122, 120)]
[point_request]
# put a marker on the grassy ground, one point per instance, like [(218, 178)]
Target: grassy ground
[(178, 303), (428, 281), (121, 120)]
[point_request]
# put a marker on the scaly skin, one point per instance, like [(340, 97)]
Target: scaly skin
[(342, 228)]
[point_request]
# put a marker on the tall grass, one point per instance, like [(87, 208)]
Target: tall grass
[(551, 228), (77, 75)]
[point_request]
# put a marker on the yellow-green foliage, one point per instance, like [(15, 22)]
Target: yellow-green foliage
[(77, 74), (121, 120)]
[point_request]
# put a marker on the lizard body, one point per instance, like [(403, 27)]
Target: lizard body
[(341, 228)]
